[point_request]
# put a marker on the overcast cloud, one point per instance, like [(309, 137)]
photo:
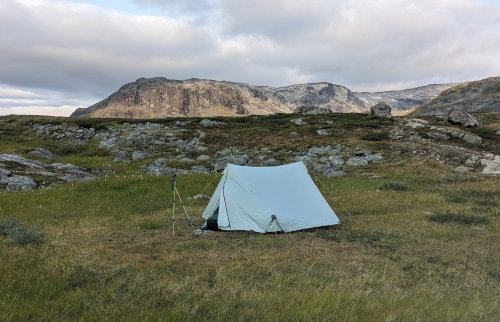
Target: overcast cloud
[(59, 55)]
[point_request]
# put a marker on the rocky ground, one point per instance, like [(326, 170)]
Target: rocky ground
[(328, 144)]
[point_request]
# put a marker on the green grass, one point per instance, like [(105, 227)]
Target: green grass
[(109, 254)]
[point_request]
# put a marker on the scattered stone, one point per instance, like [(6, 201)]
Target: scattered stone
[(14, 158), (220, 164), (478, 228), (380, 110), (203, 157), (438, 135), (322, 132), (122, 160), (491, 165), (298, 121), (458, 115), (294, 133), (210, 123), (472, 139), (472, 161), (357, 162), (12, 182), (44, 154), (334, 173), (138, 155), (312, 110), (462, 169), (415, 125)]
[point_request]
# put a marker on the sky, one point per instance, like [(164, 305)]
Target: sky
[(57, 55)]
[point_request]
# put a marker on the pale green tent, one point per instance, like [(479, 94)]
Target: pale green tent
[(268, 199)]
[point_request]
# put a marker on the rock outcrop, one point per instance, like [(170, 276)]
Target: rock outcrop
[(478, 96), (380, 110), (458, 115)]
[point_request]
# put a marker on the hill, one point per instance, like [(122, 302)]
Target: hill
[(90, 236), (477, 96), (160, 97)]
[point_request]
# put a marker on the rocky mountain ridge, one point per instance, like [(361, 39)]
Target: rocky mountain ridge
[(160, 97), (477, 96)]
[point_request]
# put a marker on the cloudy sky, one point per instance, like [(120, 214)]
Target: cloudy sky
[(58, 55)]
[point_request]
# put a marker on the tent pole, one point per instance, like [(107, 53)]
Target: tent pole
[(174, 188)]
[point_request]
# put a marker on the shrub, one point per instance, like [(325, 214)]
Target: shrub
[(376, 136), (24, 237), (9, 226), (393, 185), (443, 217)]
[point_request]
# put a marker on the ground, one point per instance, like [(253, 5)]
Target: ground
[(418, 241)]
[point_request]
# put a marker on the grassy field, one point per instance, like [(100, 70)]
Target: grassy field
[(418, 243)]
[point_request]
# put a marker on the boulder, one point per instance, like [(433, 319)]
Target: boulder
[(380, 110), (12, 182), (472, 139), (44, 154), (220, 164), (458, 115)]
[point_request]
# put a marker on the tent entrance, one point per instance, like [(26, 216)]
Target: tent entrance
[(212, 220)]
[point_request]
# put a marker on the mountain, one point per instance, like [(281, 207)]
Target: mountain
[(404, 100), (477, 96), (160, 97)]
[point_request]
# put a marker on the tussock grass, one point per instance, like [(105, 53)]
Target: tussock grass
[(444, 217)]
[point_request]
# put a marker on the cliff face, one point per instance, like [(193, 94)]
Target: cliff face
[(160, 97), (478, 96)]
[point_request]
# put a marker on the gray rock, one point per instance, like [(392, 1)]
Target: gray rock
[(220, 164), (322, 132), (458, 115), (491, 165), (44, 154), (203, 157), (312, 110), (438, 135), (185, 160), (357, 162), (415, 125), (122, 160), (298, 121), (472, 139), (20, 160), (335, 160), (210, 123), (334, 173), (380, 110), (139, 155), (472, 161), (12, 182)]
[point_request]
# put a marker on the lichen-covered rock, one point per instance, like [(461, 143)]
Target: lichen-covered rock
[(312, 110), (458, 115), (44, 154), (380, 110)]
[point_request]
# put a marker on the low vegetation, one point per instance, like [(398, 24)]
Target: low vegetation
[(108, 252)]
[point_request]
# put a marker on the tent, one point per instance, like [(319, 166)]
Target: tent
[(267, 199)]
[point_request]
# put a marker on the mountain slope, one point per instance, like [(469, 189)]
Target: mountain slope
[(406, 99), (477, 96), (160, 97)]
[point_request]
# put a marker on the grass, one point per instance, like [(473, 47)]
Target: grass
[(109, 253), (394, 185)]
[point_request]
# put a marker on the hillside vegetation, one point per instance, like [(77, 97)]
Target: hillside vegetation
[(418, 240)]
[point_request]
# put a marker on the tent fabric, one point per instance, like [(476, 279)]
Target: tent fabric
[(269, 199)]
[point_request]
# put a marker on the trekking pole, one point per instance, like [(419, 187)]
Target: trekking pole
[(174, 188), (190, 222)]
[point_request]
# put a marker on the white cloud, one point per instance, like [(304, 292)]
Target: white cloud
[(81, 51)]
